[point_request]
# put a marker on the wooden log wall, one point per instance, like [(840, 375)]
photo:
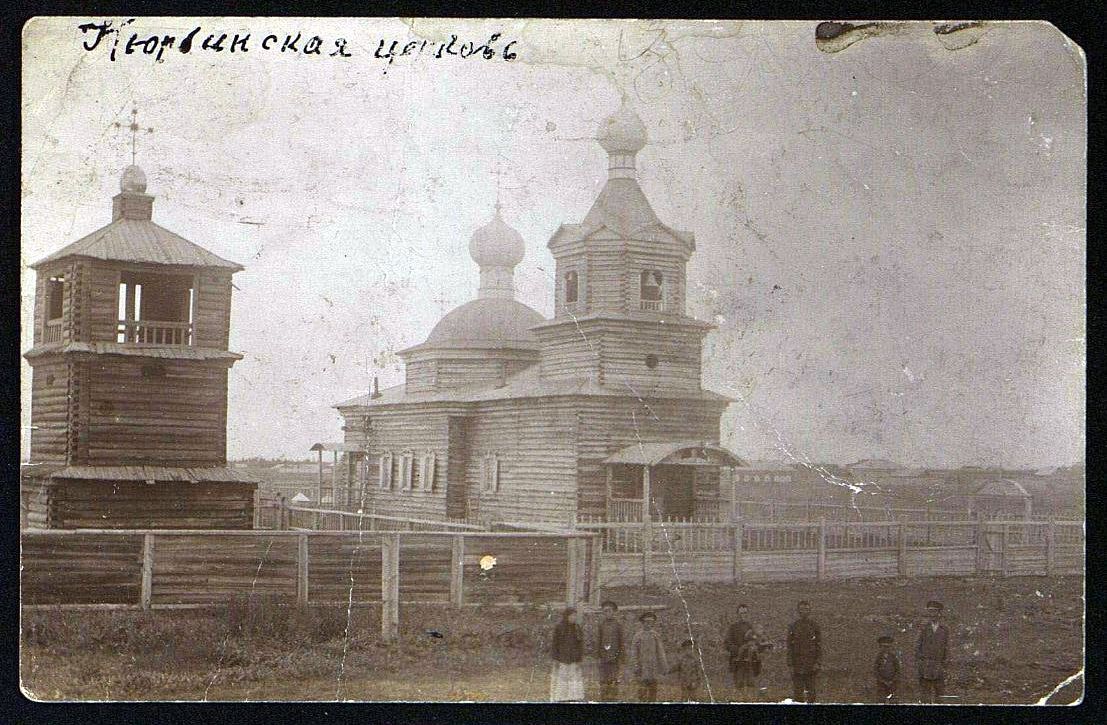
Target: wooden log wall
[(102, 282), (176, 417), (535, 444), (626, 345), (136, 504), (50, 411), (408, 429), (212, 309)]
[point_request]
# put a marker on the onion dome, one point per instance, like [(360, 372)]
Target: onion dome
[(133, 180), (496, 244), (623, 132)]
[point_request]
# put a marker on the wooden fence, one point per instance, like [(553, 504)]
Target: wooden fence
[(662, 553), (167, 569)]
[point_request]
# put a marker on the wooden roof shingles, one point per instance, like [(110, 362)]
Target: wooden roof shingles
[(142, 241)]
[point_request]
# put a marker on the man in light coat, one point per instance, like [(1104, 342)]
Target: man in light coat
[(647, 657), (932, 654)]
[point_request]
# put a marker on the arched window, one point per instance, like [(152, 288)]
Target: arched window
[(570, 287), (650, 289)]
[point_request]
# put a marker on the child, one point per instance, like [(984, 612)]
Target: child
[(647, 657), (887, 670), (748, 664), (688, 669)]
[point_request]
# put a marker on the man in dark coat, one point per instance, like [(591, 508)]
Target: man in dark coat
[(735, 638), (804, 653), (610, 649), (932, 653)]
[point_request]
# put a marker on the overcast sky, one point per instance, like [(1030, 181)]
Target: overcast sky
[(891, 237)]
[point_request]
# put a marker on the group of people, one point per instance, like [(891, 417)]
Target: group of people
[(644, 657)]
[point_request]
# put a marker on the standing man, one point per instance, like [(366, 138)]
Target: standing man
[(932, 653), (735, 639), (805, 653), (647, 657), (609, 651)]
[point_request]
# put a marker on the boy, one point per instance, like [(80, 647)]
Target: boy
[(609, 651), (887, 670), (687, 668), (647, 657)]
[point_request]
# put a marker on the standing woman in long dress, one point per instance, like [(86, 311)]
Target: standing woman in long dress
[(567, 650)]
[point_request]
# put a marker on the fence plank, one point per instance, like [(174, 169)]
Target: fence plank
[(302, 570), (1051, 549), (457, 572), (821, 571), (390, 587), (902, 554), (147, 570)]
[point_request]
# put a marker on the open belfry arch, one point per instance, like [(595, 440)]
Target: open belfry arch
[(521, 415), (129, 380)]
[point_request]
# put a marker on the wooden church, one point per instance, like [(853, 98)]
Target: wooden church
[(597, 414), (129, 386)]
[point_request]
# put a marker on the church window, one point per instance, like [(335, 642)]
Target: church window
[(407, 472), (55, 295), (385, 473), (571, 280), (650, 290), (426, 471), (490, 473)]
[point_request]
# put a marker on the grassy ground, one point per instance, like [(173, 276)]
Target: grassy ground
[(1013, 640)]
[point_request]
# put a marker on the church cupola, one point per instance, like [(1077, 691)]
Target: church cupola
[(497, 249), (132, 201), (622, 136)]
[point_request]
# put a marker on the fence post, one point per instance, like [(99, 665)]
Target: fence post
[(282, 513), (1051, 549), (1005, 538), (457, 572), (595, 547), (257, 507), (302, 570), (979, 546), (902, 549), (147, 594), (647, 544), (390, 587), (820, 572), (736, 572)]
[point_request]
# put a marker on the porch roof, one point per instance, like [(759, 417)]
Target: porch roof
[(339, 447), (652, 454)]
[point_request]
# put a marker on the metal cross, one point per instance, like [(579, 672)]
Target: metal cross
[(134, 128)]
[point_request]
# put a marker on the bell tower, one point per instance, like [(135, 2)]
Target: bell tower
[(129, 380), (620, 298)]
